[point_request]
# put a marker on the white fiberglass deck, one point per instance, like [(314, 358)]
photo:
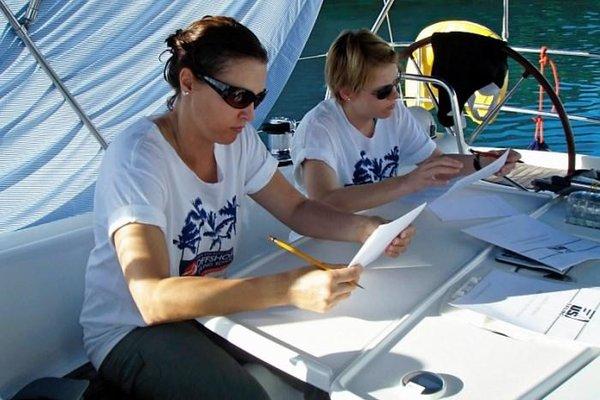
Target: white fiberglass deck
[(368, 342)]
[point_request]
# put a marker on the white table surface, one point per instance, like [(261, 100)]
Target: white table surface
[(399, 293)]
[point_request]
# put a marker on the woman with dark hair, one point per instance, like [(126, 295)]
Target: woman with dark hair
[(165, 222), (348, 150)]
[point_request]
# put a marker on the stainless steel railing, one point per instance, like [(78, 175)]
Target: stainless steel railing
[(41, 60)]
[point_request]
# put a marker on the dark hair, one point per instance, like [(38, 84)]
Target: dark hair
[(207, 46)]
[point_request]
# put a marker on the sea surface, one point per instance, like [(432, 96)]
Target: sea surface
[(556, 24)]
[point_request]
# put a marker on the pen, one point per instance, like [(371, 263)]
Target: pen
[(306, 257), (494, 155), (515, 183)]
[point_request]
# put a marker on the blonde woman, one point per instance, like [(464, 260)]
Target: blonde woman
[(348, 149)]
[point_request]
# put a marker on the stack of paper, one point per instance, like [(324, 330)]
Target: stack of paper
[(534, 239), (553, 308)]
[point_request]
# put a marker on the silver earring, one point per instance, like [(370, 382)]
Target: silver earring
[(185, 92)]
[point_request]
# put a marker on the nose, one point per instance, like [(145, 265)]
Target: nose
[(247, 114), (396, 92)]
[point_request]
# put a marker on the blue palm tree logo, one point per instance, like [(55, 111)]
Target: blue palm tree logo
[(361, 170), (393, 158), (189, 238), (216, 226), (367, 170)]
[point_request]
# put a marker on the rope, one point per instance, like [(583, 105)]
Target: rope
[(539, 120)]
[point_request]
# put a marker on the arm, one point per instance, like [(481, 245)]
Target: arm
[(467, 160), (322, 184), (142, 254), (320, 220)]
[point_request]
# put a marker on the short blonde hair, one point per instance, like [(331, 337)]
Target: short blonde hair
[(351, 58)]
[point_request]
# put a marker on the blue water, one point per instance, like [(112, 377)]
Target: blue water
[(557, 24)]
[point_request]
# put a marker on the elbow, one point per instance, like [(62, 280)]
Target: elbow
[(150, 315), (148, 305)]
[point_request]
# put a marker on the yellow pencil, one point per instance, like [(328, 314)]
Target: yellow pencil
[(306, 257)]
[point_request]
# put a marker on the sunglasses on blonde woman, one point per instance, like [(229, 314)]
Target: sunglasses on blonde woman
[(236, 97), (384, 92)]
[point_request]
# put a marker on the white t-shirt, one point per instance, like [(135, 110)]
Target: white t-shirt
[(142, 179), (325, 134)]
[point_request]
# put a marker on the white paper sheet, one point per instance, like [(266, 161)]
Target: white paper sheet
[(478, 175), (426, 195), (541, 305), (456, 205), (381, 237), (534, 239), (434, 193), (459, 206)]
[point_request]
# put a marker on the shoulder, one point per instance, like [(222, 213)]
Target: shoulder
[(405, 119), (138, 143), (321, 120), (327, 111)]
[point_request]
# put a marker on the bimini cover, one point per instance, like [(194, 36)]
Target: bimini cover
[(107, 55)]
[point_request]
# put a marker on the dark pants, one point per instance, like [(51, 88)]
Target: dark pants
[(184, 360)]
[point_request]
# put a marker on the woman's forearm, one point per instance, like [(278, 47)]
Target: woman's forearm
[(321, 220), (181, 298), (363, 197)]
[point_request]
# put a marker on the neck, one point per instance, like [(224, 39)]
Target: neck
[(195, 151), (365, 124)]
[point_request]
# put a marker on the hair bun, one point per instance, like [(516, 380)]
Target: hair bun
[(173, 39)]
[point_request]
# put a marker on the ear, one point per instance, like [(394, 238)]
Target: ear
[(186, 77), (346, 94)]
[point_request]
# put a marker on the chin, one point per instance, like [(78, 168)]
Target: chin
[(228, 138), (386, 113)]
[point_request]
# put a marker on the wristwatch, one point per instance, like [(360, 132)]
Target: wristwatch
[(476, 162)]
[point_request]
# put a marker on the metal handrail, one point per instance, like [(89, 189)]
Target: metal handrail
[(519, 110), (529, 50), (494, 111), (557, 52), (31, 13), (532, 50), (383, 14), (24, 36), (460, 141), (505, 10)]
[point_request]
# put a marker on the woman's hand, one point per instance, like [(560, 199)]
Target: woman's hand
[(509, 165), (317, 290), (435, 171), (399, 244)]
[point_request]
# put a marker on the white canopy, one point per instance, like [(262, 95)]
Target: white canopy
[(106, 54)]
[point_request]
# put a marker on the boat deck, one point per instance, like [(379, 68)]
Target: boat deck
[(401, 321)]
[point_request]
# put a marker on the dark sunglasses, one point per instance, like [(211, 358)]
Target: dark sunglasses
[(236, 97), (385, 91)]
